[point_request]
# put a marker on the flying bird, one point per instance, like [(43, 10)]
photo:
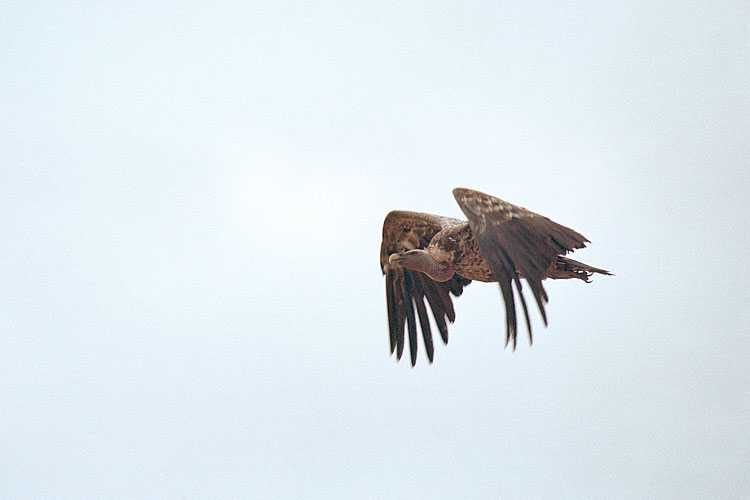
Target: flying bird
[(425, 256)]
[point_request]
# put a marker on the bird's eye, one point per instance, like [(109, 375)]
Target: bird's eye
[(406, 229)]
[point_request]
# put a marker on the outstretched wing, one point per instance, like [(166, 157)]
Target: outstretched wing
[(516, 243), (405, 289)]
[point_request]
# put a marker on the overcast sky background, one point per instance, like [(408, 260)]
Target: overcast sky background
[(191, 201)]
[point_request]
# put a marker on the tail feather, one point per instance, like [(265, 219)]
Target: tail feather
[(565, 268)]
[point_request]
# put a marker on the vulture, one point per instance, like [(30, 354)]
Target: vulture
[(425, 256)]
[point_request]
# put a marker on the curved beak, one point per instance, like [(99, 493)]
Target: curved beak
[(395, 258), (402, 258)]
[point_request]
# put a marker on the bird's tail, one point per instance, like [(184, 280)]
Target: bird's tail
[(565, 268)]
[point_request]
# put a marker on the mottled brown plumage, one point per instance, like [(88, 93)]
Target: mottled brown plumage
[(426, 256)]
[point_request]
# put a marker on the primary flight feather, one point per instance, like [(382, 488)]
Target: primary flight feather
[(431, 257)]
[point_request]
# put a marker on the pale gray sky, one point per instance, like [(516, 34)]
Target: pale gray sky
[(191, 201)]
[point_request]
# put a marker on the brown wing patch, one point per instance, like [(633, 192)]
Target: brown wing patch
[(407, 290), (516, 241)]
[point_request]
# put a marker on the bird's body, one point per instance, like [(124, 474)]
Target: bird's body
[(463, 251), (430, 257)]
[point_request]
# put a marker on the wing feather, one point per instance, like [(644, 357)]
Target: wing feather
[(516, 242), (434, 301), (398, 320), (424, 321), (390, 298), (411, 322)]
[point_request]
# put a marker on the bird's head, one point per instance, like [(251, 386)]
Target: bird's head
[(423, 261)]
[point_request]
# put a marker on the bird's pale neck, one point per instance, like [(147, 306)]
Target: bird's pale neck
[(420, 260)]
